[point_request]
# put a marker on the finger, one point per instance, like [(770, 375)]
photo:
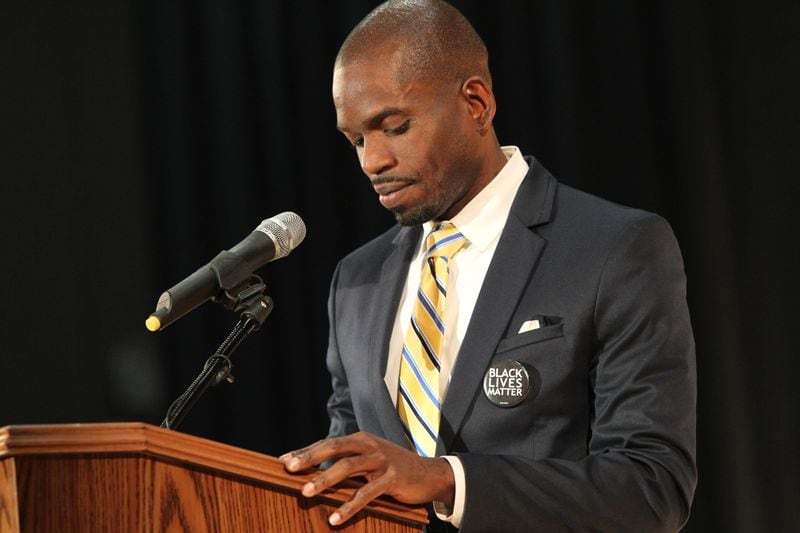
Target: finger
[(324, 450), (342, 469), (360, 499), (293, 460), (292, 453)]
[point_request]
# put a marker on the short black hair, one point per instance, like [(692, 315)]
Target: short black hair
[(432, 38)]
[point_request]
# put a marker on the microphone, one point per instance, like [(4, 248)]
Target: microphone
[(273, 239)]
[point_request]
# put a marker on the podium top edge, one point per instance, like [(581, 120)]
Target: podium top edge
[(139, 438)]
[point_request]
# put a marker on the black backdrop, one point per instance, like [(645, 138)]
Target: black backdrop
[(141, 138)]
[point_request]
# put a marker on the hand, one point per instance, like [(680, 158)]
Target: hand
[(388, 469)]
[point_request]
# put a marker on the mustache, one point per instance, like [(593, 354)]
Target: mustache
[(382, 180)]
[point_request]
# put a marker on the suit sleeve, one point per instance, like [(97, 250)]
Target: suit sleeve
[(639, 473), (340, 405)]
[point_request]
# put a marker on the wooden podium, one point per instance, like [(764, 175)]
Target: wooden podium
[(130, 477)]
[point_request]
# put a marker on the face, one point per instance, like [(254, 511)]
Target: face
[(414, 140)]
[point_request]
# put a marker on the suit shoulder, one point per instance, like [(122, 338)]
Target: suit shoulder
[(377, 247), (365, 262), (570, 198), (551, 206), (598, 216)]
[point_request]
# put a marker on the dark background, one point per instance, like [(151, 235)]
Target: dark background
[(140, 138)]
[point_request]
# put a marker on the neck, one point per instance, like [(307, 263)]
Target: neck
[(494, 159)]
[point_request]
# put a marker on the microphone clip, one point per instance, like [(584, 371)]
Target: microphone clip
[(247, 298)]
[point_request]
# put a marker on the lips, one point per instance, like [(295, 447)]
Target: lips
[(391, 194)]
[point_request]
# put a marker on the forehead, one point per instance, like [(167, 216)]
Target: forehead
[(359, 89)]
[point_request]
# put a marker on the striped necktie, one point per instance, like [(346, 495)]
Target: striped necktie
[(418, 401)]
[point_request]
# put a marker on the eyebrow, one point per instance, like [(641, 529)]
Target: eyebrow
[(376, 119)]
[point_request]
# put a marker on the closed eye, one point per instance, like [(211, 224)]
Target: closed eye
[(399, 130), (358, 142)]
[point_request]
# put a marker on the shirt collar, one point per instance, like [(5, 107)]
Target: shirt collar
[(484, 217)]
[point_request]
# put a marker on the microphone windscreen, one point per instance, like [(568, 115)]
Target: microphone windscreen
[(287, 230)]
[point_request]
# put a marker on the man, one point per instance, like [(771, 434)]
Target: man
[(554, 387)]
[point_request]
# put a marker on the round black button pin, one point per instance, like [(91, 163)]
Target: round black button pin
[(506, 383)]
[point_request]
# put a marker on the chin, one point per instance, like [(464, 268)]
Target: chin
[(414, 216)]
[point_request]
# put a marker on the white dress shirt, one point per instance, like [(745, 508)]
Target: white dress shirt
[(481, 221)]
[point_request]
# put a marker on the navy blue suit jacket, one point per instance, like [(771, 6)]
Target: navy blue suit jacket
[(605, 440)]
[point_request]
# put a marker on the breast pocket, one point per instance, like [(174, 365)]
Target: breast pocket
[(530, 337), (493, 428)]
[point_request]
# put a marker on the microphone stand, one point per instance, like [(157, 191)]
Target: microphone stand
[(255, 307)]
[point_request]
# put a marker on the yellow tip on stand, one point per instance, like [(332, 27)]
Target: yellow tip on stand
[(152, 323)]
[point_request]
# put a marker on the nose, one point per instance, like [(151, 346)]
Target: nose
[(376, 157)]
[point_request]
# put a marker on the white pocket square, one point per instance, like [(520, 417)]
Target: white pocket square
[(529, 325)]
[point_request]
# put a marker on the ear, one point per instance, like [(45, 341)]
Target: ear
[(480, 100)]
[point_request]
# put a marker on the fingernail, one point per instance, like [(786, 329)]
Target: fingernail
[(293, 464), (284, 456), (308, 489), (334, 519)]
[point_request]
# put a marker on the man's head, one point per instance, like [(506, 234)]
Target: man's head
[(413, 94)]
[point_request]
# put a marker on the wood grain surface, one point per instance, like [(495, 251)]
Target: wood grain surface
[(9, 506), (135, 477)]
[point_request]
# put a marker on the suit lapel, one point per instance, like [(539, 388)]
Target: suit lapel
[(514, 260), (387, 300)]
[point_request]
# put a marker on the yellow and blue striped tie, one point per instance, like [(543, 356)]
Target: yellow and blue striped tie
[(418, 401)]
